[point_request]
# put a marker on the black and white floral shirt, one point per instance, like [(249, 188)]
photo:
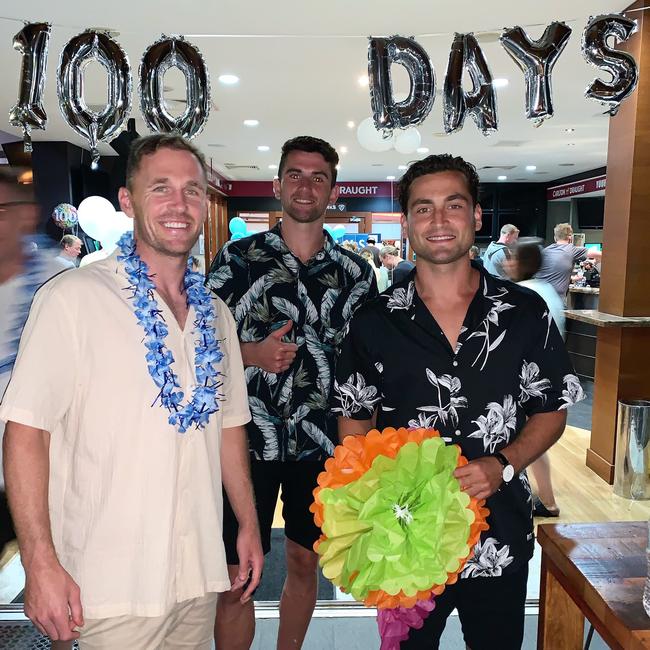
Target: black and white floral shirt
[(510, 363), (265, 285)]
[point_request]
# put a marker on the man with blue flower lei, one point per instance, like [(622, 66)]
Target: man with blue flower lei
[(114, 470)]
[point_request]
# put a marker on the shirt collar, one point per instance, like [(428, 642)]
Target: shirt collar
[(329, 245)]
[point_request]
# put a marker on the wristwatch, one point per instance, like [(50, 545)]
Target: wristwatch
[(508, 469)]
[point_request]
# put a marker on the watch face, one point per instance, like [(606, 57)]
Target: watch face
[(508, 473)]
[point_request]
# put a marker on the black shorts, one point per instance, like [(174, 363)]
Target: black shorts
[(491, 612), (298, 480)]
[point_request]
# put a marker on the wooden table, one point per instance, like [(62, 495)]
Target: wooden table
[(595, 571)]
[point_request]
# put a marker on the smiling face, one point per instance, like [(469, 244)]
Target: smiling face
[(168, 201), (441, 217), (305, 187)]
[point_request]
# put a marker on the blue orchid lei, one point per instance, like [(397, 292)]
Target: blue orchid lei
[(159, 359)]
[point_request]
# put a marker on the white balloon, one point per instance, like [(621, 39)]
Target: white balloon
[(118, 224), (96, 215), (407, 141), (371, 139)]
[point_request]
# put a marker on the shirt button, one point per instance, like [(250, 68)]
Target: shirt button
[(457, 432), (455, 363), (320, 256)]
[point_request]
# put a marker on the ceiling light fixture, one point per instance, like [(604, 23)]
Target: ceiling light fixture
[(422, 149), (343, 149), (263, 147), (273, 166), (363, 80), (229, 79), (569, 130), (531, 168), (351, 124), (401, 167), (502, 178), (251, 122), (500, 82), (390, 178)]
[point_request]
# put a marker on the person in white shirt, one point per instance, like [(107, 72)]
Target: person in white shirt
[(114, 469), (525, 263), (70, 251)]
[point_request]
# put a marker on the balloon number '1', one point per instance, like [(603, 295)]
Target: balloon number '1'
[(32, 42)]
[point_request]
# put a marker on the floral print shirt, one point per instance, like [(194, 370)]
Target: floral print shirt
[(510, 363), (265, 285)]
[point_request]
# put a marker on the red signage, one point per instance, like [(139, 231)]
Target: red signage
[(346, 189), (576, 188)]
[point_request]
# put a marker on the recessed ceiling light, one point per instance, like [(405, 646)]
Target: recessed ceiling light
[(229, 79), (351, 124), (251, 122), (390, 178), (422, 149), (500, 82), (531, 168), (569, 130), (363, 80), (343, 149), (401, 167), (571, 144), (273, 166), (338, 167), (263, 147), (502, 178)]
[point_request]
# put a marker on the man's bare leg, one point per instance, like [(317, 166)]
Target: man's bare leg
[(298, 596), (234, 627)]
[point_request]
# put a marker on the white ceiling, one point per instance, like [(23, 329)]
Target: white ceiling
[(299, 64)]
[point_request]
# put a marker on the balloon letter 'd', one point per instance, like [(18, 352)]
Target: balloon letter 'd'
[(536, 59), (387, 113), (32, 42), (481, 102), (77, 54), (620, 65), (168, 52)]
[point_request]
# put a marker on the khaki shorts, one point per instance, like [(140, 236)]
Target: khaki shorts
[(188, 625)]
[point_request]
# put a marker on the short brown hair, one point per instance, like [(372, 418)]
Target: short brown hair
[(149, 144), (310, 144)]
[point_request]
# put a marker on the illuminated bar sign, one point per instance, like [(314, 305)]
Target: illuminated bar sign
[(576, 188)]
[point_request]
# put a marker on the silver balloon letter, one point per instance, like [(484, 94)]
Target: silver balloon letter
[(481, 102), (536, 59), (32, 42), (620, 65), (77, 54), (166, 53), (387, 113)]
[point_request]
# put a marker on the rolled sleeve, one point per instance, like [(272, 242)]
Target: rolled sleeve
[(235, 406), (41, 387), (357, 386)]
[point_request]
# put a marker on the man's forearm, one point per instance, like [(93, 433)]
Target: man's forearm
[(249, 354), (236, 477), (27, 471), (349, 427), (540, 433)]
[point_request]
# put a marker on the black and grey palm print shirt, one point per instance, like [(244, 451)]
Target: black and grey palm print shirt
[(509, 364), (265, 285)]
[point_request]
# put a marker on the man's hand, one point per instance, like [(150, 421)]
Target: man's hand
[(480, 478), (251, 561), (271, 354), (53, 602)]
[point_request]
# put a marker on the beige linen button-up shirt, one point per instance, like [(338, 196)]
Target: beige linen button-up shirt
[(135, 507)]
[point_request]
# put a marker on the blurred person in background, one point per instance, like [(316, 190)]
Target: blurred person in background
[(392, 260), (381, 274), (475, 255), (70, 251), (525, 263), (23, 269), (498, 252)]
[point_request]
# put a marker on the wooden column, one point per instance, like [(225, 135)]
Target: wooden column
[(623, 354)]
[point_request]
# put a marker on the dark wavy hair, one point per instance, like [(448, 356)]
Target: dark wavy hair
[(310, 145), (432, 165)]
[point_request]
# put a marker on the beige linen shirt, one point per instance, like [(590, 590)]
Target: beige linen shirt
[(135, 507)]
